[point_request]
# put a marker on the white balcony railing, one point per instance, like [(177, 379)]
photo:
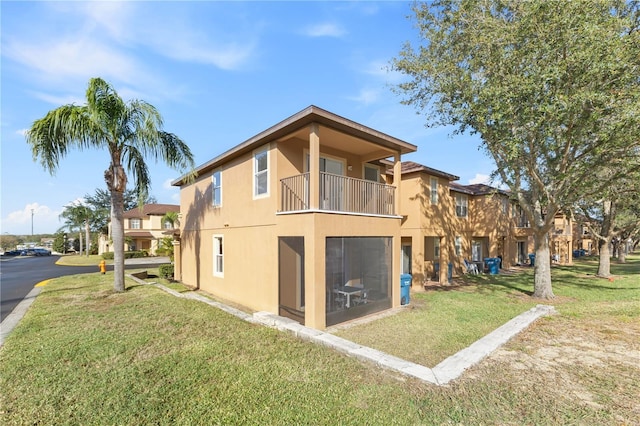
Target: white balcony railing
[(338, 194)]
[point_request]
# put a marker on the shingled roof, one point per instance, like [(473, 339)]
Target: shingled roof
[(412, 167), (151, 210), (476, 189)]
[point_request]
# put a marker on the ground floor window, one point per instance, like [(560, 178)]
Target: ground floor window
[(358, 277), (218, 255)]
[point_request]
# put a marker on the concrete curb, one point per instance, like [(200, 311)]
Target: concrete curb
[(443, 373), (11, 320)]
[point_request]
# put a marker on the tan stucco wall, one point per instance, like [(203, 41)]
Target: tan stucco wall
[(251, 227)]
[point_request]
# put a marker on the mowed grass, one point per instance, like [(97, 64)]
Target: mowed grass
[(81, 260), (86, 355)]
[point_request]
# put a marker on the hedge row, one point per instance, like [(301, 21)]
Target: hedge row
[(127, 254)]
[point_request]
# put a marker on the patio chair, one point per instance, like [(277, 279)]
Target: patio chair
[(361, 298), (472, 268)]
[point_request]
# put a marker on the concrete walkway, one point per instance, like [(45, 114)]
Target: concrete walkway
[(448, 370)]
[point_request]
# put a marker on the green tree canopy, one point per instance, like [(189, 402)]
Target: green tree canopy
[(552, 88)]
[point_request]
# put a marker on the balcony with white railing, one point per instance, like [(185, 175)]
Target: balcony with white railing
[(338, 194)]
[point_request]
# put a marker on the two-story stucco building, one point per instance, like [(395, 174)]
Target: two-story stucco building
[(298, 220), (445, 223), (144, 228)]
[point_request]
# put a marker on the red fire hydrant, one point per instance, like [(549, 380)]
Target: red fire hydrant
[(103, 266)]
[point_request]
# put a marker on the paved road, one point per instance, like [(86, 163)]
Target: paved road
[(18, 275)]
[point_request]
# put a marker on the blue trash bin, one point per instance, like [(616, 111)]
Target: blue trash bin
[(532, 259), (493, 265), (405, 285)]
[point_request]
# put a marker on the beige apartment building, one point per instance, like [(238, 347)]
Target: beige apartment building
[(143, 228), (445, 223), (298, 220)]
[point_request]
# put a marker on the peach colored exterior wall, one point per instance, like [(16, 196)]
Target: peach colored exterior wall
[(151, 223), (251, 227), (487, 222)]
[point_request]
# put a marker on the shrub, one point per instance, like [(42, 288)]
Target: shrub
[(127, 254), (166, 271)]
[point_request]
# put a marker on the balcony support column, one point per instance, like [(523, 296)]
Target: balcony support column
[(314, 166), (397, 178)]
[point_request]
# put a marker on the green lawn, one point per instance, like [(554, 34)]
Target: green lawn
[(81, 260), (86, 355)]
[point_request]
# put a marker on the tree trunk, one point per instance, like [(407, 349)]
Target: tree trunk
[(87, 236), (117, 235), (622, 251), (80, 239), (604, 266), (116, 180), (542, 269)]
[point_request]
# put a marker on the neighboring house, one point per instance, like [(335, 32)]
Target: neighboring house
[(143, 228), (297, 221), (446, 223), (583, 239)]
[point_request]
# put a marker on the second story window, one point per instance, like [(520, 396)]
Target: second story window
[(168, 224), (461, 205), (216, 188), (261, 173), (434, 190), (134, 223)]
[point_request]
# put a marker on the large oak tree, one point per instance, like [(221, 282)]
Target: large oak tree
[(550, 86)]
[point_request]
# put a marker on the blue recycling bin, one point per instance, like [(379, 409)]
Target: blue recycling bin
[(405, 285), (493, 265), (532, 259)]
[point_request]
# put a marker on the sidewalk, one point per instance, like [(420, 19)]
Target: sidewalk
[(443, 373)]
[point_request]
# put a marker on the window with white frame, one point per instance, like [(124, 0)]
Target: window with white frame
[(134, 223), (168, 225), (216, 188), (218, 255), (461, 205), (434, 190), (458, 245), (261, 173)]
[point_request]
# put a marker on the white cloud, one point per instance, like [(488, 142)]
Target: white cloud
[(326, 29), (22, 132), (167, 184), (366, 96), (59, 99), (480, 178), (45, 220)]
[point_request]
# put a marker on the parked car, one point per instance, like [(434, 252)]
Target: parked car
[(41, 252)]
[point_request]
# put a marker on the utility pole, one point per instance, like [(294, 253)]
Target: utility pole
[(32, 222)]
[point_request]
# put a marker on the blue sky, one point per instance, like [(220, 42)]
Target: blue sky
[(219, 73)]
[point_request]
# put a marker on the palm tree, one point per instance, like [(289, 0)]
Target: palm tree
[(79, 216), (128, 130), (173, 218)]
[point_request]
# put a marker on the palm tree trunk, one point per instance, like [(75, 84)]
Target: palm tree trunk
[(117, 234), (87, 236)]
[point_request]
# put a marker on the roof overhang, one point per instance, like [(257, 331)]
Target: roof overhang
[(300, 121)]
